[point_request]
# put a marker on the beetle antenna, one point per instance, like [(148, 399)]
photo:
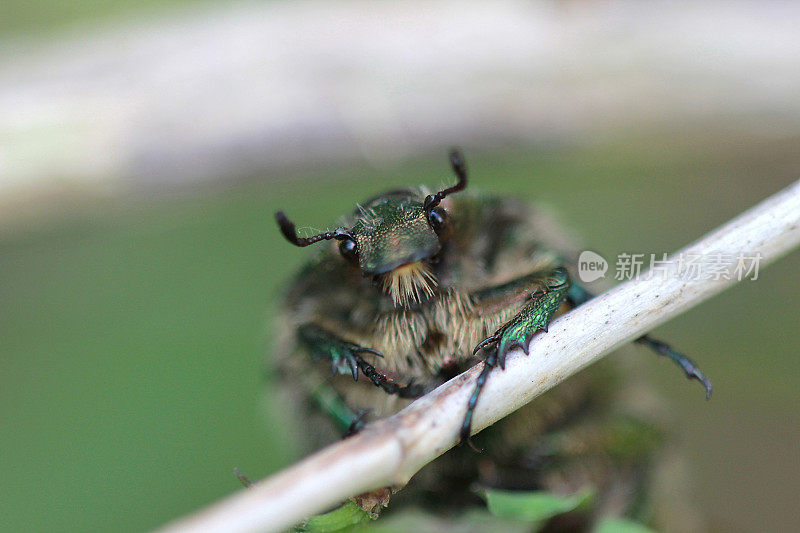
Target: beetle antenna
[(290, 232), (460, 169)]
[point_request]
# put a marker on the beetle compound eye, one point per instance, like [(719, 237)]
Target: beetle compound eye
[(437, 218), (347, 247)]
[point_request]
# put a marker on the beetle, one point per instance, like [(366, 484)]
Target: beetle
[(414, 287)]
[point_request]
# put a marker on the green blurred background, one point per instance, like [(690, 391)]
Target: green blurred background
[(134, 327)]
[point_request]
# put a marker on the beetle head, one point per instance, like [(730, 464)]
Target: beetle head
[(393, 238)]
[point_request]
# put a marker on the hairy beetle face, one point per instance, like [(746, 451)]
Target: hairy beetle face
[(394, 239)]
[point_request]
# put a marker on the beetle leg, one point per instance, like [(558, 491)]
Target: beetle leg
[(545, 291), (687, 365), (343, 355), (578, 295), (466, 424), (345, 358), (330, 403), (386, 384), (357, 424)]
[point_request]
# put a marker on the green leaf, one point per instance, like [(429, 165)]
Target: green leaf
[(424, 521), (536, 505), (621, 525), (346, 516)]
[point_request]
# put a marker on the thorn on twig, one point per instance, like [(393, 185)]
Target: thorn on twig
[(242, 478)]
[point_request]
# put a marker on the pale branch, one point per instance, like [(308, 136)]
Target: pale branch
[(390, 451)]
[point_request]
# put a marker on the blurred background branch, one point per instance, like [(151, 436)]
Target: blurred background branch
[(222, 92)]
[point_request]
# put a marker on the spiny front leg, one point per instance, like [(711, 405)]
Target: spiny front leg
[(545, 299), (345, 358)]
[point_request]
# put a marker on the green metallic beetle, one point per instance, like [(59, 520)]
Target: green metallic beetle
[(409, 291)]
